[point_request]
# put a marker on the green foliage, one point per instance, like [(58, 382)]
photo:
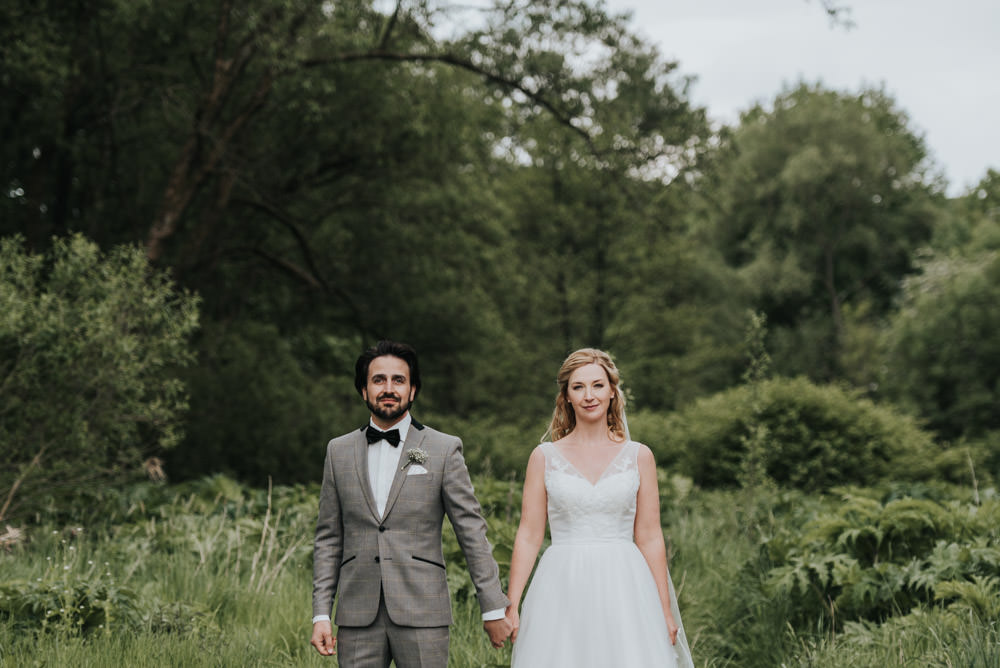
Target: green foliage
[(103, 578), (494, 446), (756, 441), (325, 174), (981, 596), (90, 345), (943, 358), (974, 224), (181, 619), (820, 201), (501, 504), (927, 638), (678, 331), (211, 572), (209, 563), (819, 437), (498, 193), (727, 617), (82, 606), (868, 560), (337, 172), (259, 410)]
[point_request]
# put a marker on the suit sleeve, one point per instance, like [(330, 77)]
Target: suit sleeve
[(329, 541), (466, 517)]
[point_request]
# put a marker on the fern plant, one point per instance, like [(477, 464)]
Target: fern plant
[(869, 560)]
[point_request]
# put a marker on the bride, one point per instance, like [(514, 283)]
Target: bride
[(601, 595)]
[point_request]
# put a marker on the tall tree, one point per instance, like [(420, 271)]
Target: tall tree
[(327, 173), (821, 200), (974, 223), (942, 357)]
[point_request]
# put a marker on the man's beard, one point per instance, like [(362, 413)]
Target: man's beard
[(388, 414)]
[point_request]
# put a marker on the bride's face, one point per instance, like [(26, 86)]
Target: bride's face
[(589, 392)]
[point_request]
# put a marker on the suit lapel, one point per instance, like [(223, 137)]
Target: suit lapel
[(361, 466), (414, 438)]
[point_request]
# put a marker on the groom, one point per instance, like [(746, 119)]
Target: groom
[(386, 489)]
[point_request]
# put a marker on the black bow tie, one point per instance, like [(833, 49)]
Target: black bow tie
[(374, 436)]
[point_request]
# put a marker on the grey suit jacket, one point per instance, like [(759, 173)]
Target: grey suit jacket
[(357, 553)]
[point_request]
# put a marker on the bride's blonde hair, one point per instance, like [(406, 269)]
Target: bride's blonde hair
[(563, 417)]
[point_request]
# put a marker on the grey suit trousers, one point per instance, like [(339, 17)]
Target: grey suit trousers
[(377, 645)]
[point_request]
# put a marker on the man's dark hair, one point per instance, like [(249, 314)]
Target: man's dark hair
[(403, 351)]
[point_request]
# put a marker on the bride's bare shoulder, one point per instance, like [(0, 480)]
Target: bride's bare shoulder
[(538, 453), (645, 454)]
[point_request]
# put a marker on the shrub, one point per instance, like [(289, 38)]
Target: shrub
[(89, 347), (818, 437), (78, 606)]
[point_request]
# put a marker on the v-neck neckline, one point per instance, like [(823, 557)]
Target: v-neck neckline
[(607, 466)]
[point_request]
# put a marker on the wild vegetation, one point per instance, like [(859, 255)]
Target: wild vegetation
[(214, 573), (211, 208)]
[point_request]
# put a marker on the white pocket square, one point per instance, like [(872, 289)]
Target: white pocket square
[(416, 469)]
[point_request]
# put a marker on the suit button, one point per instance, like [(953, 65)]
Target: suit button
[(381, 529), (377, 559)]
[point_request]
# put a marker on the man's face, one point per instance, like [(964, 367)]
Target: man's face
[(388, 393)]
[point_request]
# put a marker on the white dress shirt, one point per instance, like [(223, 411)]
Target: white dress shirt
[(382, 462)]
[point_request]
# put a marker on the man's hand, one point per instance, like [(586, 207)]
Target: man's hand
[(323, 639), (498, 631), (515, 621)]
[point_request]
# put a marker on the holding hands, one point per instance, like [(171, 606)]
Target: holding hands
[(498, 630), (515, 621)]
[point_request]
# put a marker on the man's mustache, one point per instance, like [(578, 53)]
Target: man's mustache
[(394, 397)]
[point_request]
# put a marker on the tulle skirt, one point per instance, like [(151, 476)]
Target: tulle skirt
[(595, 605)]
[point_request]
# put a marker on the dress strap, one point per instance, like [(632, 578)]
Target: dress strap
[(628, 458), (554, 460)]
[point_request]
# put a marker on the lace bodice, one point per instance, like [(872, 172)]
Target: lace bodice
[(584, 512)]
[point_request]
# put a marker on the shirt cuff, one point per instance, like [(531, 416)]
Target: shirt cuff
[(493, 615), (321, 618)]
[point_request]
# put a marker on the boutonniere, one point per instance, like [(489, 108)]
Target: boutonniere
[(415, 456)]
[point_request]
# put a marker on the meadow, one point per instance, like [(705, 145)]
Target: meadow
[(212, 208), (215, 573)]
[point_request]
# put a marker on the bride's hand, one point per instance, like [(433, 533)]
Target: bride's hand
[(515, 621), (672, 629)]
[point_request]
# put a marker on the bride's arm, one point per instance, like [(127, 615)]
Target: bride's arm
[(530, 533), (649, 533)]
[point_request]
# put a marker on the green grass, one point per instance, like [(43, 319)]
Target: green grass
[(932, 638), (215, 574)]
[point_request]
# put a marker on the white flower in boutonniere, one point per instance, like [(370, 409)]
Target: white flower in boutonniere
[(415, 456)]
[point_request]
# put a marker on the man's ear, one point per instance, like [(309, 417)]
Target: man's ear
[(364, 393), (413, 393)]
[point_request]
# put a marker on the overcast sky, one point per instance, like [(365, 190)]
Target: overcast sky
[(940, 61)]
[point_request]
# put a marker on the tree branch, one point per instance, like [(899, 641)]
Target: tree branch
[(387, 33), (285, 220), (189, 174), (461, 63), (311, 280), (839, 14), (190, 170)]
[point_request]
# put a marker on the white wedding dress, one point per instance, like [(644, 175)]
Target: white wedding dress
[(593, 601)]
